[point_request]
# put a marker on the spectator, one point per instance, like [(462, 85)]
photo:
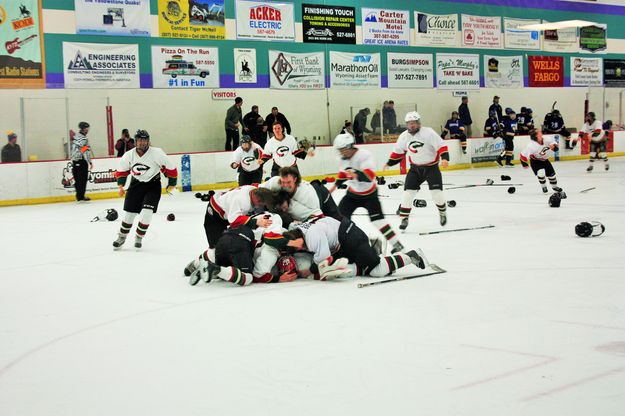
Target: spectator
[(11, 152), (360, 125), (124, 144), (234, 118), (347, 128), (389, 118), (375, 121), (81, 161), (465, 116), (497, 108), (253, 126), (274, 116)]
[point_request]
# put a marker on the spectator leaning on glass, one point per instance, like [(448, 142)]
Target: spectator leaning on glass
[(124, 144), (81, 161), (234, 118), (360, 125), (11, 151)]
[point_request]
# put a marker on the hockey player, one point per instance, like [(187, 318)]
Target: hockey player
[(536, 156), (492, 126), (357, 168), (509, 131), (424, 148), (341, 249), (247, 159), (283, 149), (145, 164), (456, 130), (598, 140), (304, 199), (554, 124), (525, 121)]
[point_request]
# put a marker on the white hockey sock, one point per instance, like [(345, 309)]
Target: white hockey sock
[(406, 202), (386, 230), (144, 222), (129, 218), (208, 255), (389, 264), (236, 276), (439, 199)]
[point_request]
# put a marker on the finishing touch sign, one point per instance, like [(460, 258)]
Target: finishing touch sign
[(99, 65), (355, 70)]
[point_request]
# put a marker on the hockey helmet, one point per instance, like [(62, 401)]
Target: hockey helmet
[(529, 111), (344, 141), (286, 264), (412, 116), (592, 115), (492, 113), (83, 125), (555, 112), (509, 111), (142, 134), (589, 229), (555, 200), (111, 214)]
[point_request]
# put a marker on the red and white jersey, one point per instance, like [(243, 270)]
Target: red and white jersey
[(234, 206), (321, 237), (596, 127), (363, 165), (145, 167), (424, 148), (537, 151), (248, 160), (282, 151), (304, 202)]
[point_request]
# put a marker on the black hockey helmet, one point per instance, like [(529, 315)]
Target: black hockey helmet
[(587, 229), (555, 112), (509, 111), (523, 109), (555, 200), (83, 125), (142, 134), (246, 139), (529, 111), (111, 214)]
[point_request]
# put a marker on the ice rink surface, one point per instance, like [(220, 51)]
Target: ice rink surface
[(529, 319)]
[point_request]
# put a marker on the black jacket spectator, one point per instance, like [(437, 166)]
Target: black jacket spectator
[(360, 125), (11, 153), (274, 116), (253, 125)]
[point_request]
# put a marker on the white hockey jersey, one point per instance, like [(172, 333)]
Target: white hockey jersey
[(234, 206), (597, 126), (248, 160), (146, 167), (363, 165), (321, 237), (537, 151), (304, 202), (424, 148), (282, 151)]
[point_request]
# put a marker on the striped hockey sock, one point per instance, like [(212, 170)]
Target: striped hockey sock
[(142, 229), (386, 230), (236, 276), (389, 264), (552, 180), (404, 211), (125, 229), (542, 180)]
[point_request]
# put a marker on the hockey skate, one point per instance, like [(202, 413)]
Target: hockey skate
[(443, 218), (500, 161), (607, 166), (545, 190), (589, 168), (397, 247), (509, 164), (138, 242), (379, 244), (404, 224), (121, 239), (418, 258), (206, 271), (191, 267)]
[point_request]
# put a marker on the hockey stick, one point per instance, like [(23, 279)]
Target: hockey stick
[(457, 229), (437, 270), (484, 184), (583, 191)]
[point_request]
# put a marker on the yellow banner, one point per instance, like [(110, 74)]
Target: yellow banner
[(191, 19)]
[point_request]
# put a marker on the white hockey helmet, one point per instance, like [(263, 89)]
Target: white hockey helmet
[(344, 141), (412, 116)]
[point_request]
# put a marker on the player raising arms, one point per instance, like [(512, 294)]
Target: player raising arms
[(284, 149), (424, 148), (357, 169), (598, 140), (537, 153), (145, 164)]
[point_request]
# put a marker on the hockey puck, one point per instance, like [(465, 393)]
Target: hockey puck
[(171, 217), (511, 190), (505, 178), (489, 181), (451, 203), (420, 203), (393, 185)]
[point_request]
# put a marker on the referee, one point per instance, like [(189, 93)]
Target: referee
[(81, 161)]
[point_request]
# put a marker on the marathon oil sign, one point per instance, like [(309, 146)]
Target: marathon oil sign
[(265, 21)]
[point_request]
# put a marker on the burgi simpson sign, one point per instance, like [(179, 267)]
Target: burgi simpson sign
[(385, 27), (113, 17), (457, 72), (329, 24), (410, 70), (265, 21), (100, 65), (355, 70)]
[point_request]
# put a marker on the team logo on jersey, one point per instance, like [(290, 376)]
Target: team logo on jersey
[(247, 161), (544, 150), (415, 146), (282, 151), (139, 169)]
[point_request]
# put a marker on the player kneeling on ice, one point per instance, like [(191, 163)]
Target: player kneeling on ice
[(144, 164), (537, 152), (247, 159), (424, 148), (341, 249), (357, 169)]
